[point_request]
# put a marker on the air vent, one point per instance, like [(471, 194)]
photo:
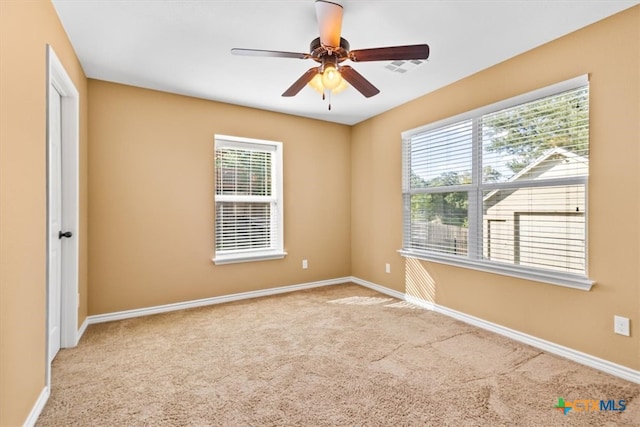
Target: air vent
[(403, 66)]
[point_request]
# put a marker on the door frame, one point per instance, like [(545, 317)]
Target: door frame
[(70, 129)]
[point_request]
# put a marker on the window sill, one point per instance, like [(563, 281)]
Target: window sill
[(248, 257), (553, 278)]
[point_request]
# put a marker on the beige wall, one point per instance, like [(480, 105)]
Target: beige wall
[(26, 27), (610, 52), (149, 172), (151, 208)]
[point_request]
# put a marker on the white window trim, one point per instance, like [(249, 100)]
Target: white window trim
[(232, 257), (574, 281), (520, 272)]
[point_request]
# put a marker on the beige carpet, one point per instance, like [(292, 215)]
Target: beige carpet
[(335, 356)]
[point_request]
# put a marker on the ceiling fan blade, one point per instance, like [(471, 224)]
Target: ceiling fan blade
[(356, 80), (268, 53), (329, 16), (301, 82), (392, 53)]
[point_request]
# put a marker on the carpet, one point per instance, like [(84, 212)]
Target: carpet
[(334, 356)]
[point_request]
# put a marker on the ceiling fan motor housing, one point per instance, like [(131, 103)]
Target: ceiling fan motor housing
[(319, 52)]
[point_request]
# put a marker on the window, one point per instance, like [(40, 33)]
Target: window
[(503, 188), (248, 200)]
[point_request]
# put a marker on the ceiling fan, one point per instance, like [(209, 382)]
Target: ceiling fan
[(330, 50)]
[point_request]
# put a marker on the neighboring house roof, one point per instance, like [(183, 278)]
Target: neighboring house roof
[(540, 162)]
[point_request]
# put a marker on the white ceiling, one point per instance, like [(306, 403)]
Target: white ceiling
[(184, 46)]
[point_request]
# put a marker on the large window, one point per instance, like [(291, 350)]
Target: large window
[(503, 188), (248, 200)]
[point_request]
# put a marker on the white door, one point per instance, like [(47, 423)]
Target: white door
[(63, 144), (55, 220)]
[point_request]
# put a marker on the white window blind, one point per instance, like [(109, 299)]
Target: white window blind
[(503, 188), (248, 199)]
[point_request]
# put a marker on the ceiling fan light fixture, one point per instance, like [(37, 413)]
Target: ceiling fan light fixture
[(316, 83), (331, 77), (342, 86)]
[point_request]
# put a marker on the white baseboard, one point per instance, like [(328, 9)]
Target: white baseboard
[(37, 408), (566, 352), (82, 329), (128, 314), (550, 347), (378, 288)]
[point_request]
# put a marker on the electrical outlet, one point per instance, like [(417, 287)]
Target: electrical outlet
[(621, 325), (305, 264), (387, 268)]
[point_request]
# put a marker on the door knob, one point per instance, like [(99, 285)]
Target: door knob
[(65, 234)]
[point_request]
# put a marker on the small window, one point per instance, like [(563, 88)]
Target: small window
[(248, 200), (503, 188)]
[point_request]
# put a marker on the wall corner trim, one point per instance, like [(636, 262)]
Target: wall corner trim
[(37, 408), (585, 359)]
